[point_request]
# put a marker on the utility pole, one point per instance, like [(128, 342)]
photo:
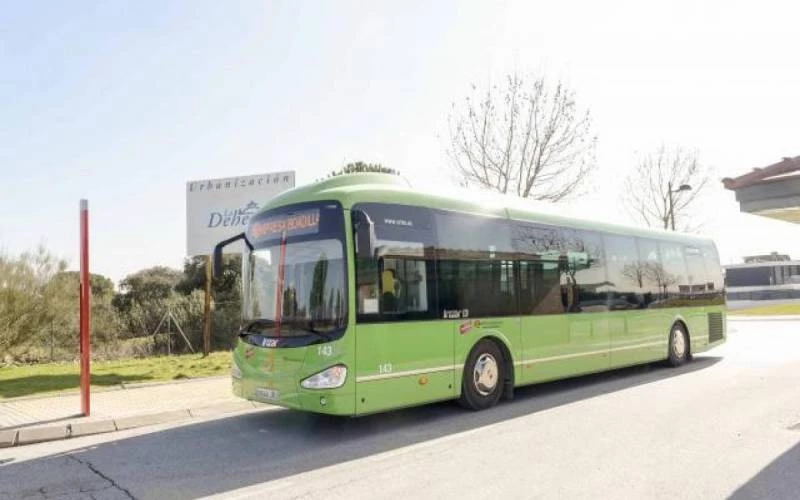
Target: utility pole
[(169, 333), (52, 339)]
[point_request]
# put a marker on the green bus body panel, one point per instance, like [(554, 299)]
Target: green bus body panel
[(411, 363), (555, 346), (399, 364), (403, 364)]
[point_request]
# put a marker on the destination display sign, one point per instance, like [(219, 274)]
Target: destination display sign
[(291, 224)]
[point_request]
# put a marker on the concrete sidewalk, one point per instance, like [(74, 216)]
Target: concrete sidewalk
[(37, 419)]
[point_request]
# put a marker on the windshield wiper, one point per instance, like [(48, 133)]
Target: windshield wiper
[(310, 328), (258, 326), (258, 323)]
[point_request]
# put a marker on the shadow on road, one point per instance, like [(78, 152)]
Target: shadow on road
[(780, 479), (235, 452)]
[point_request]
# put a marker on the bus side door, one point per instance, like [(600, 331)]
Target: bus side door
[(404, 351), (404, 356)]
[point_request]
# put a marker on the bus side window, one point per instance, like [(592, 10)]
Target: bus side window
[(547, 297), (396, 283), (697, 275), (649, 268), (404, 286), (674, 280), (585, 272), (715, 286), (475, 265), (625, 276), (367, 286), (539, 251)]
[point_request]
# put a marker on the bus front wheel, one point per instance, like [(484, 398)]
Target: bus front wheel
[(678, 345), (482, 383)]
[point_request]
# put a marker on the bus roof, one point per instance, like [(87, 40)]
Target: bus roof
[(350, 189)]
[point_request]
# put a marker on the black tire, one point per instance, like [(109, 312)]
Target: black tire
[(484, 376), (678, 347)]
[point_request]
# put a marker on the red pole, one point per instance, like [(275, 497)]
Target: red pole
[(279, 302), (86, 311)]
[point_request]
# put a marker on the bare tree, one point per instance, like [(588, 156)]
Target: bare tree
[(526, 137), (663, 187), (657, 275), (635, 272)]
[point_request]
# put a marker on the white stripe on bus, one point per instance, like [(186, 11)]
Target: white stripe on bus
[(381, 376), (422, 371), (660, 343)]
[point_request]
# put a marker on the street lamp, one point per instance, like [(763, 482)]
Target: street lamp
[(683, 187)]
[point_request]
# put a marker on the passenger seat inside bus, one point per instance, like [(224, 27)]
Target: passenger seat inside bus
[(389, 286)]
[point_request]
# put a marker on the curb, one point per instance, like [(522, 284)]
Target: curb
[(32, 435), (733, 317)]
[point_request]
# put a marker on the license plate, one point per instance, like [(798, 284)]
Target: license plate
[(271, 394)]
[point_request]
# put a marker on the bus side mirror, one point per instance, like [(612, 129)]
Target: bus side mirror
[(218, 251), (365, 235)]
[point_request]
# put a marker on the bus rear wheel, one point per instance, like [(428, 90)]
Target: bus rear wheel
[(482, 383), (678, 345)]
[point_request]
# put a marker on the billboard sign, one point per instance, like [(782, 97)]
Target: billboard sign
[(217, 209)]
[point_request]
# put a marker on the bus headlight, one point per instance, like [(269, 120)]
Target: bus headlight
[(330, 378)]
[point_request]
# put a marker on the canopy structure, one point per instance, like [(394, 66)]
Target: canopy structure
[(772, 191)]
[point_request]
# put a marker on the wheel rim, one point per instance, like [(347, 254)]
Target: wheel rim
[(485, 374), (679, 343)]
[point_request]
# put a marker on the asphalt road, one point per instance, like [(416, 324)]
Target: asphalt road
[(727, 425)]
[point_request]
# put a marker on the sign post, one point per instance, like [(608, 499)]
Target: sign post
[(207, 310), (85, 307)]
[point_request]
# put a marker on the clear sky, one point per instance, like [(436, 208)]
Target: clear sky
[(123, 102)]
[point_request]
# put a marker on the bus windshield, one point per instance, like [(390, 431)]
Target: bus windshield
[(294, 281), (312, 296)]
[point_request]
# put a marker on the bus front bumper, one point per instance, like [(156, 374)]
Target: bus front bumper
[(253, 384)]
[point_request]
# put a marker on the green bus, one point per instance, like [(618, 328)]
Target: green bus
[(362, 294)]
